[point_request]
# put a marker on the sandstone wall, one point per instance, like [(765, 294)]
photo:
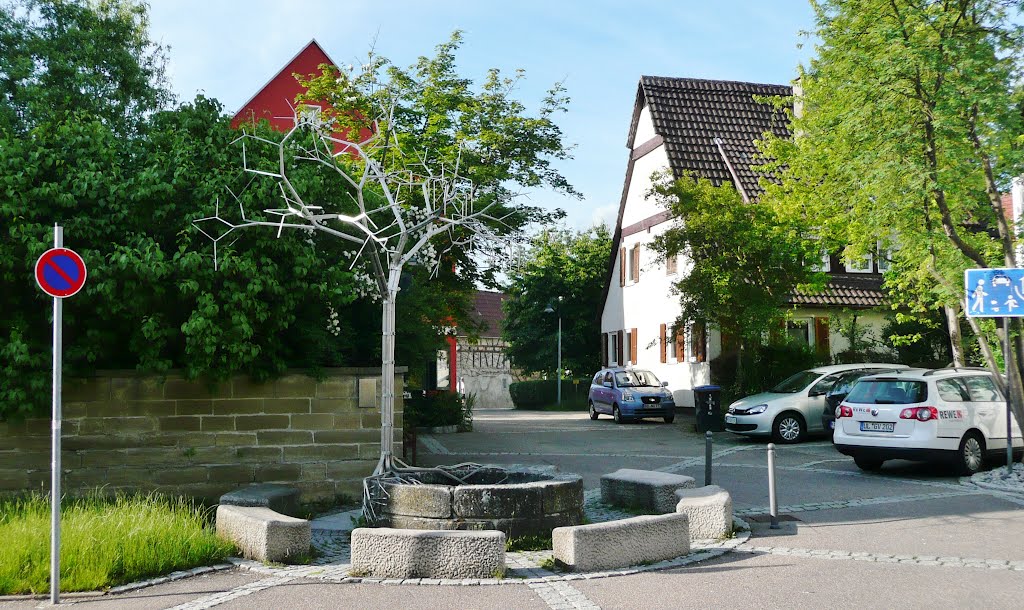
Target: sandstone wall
[(126, 431)]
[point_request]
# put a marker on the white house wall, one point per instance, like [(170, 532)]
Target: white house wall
[(648, 303)]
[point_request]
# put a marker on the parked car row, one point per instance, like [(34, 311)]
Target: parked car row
[(879, 412), (873, 411)]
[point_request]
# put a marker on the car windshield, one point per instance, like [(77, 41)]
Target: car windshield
[(797, 382), (888, 392), (635, 379)]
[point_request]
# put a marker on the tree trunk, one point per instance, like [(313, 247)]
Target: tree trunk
[(956, 340), (387, 372)]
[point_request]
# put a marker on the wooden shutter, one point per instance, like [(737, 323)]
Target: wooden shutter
[(632, 344), (622, 267), (604, 349), (700, 341), (636, 263), (661, 342), (821, 344), (621, 359), (670, 265), (680, 339)]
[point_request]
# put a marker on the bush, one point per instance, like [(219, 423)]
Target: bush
[(104, 541), (436, 409), (543, 393), (763, 367)]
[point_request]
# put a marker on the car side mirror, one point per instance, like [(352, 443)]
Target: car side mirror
[(664, 384), (814, 393), (606, 384)]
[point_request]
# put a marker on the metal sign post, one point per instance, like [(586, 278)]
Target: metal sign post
[(60, 273), (998, 293)]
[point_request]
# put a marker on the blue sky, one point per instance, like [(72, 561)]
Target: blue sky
[(228, 49)]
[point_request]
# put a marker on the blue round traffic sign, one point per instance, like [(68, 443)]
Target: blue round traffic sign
[(60, 272)]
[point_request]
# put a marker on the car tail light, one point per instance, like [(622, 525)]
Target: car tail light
[(920, 413), (843, 411)]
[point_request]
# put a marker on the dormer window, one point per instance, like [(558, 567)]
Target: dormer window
[(824, 264), (860, 264), (884, 257)]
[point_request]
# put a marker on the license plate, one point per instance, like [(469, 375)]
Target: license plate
[(729, 419), (877, 426)]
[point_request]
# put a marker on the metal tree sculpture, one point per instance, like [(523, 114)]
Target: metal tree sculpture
[(391, 218)]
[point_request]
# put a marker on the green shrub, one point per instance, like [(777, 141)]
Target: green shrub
[(763, 367), (543, 393), (439, 409), (105, 541)]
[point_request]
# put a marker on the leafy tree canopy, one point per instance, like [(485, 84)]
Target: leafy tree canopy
[(746, 259), (434, 116), (86, 57), (558, 265), (911, 128)]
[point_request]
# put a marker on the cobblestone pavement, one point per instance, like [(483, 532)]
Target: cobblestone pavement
[(909, 519)]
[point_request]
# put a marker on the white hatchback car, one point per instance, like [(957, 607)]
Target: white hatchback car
[(792, 408), (956, 415)]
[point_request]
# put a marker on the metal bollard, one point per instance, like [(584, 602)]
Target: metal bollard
[(773, 501), (707, 457)]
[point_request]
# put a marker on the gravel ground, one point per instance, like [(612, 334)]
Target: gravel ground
[(996, 479)]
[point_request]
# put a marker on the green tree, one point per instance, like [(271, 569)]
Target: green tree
[(153, 300), (433, 112), (558, 265), (746, 260), (911, 128), (65, 57)]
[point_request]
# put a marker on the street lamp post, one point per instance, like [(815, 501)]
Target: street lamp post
[(550, 309)]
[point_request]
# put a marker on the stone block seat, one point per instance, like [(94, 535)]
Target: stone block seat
[(643, 489), (384, 552), (619, 544), (263, 534), (279, 498), (709, 509)]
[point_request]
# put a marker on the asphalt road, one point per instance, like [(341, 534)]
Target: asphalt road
[(909, 536)]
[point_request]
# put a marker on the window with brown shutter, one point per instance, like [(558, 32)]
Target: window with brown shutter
[(621, 360), (622, 267), (662, 343), (700, 341), (632, 345), (681, 344), (635, 271), (670, 265)]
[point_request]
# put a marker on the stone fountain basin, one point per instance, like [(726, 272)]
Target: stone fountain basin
[(519, 502)]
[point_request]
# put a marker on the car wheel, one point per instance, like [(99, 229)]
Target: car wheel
[(669, 419), (619, 419), (593, 413), (788, 428), (868, 464), (971, 456)]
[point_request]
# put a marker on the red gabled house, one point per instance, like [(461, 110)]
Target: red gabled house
[(275, 100)]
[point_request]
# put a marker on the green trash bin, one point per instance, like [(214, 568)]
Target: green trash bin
[(708, 401)]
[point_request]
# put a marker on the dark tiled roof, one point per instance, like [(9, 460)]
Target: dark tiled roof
[(487, 309), (691, 113), (844, 290)]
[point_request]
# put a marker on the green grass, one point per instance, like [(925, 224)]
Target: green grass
[(528, 543), (105, 541)]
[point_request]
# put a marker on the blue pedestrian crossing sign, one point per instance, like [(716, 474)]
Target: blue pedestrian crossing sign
[(994, 293)]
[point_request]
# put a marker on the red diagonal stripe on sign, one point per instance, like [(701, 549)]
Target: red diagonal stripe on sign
[(60, 272)]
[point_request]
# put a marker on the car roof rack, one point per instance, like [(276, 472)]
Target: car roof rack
[(954, 369)]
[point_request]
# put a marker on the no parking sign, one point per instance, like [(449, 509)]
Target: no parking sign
[(60, 272)]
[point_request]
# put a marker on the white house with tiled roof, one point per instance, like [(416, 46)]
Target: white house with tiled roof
[(708, 127)]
